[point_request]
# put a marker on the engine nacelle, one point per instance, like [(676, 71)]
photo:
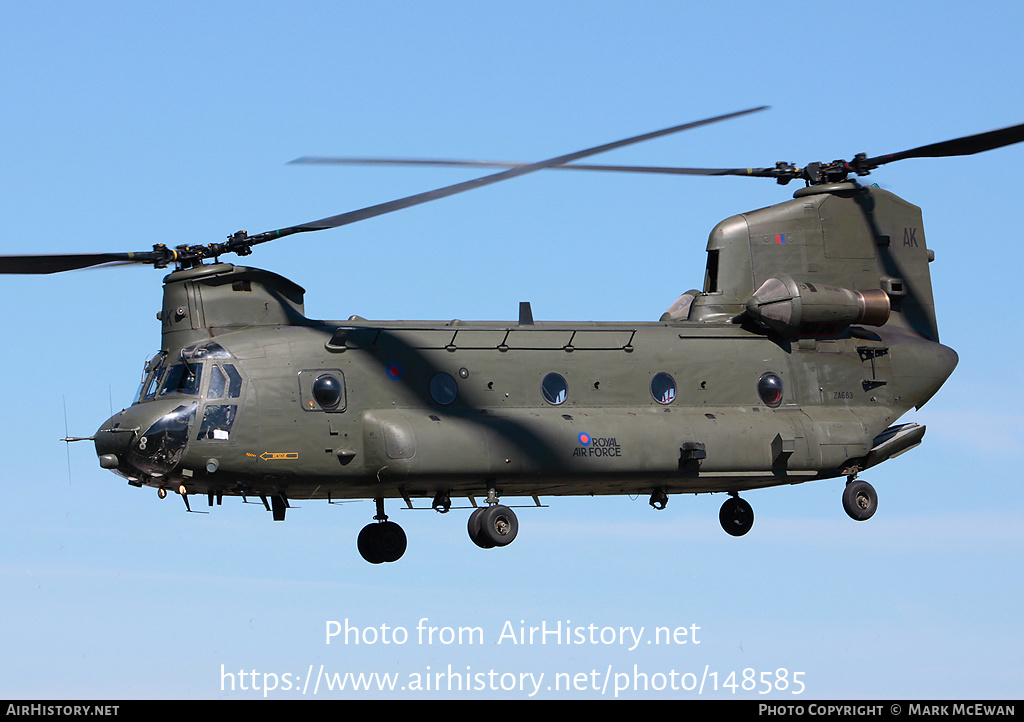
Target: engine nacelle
[(800, 308)]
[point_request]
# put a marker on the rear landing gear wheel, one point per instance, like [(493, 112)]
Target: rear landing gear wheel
[(493, 526), (736, 516), (860, 500), (382, 542)]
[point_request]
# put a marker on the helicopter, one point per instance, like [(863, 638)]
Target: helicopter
[(814, 332)]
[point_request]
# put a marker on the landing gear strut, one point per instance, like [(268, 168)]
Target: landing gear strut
[(493, 525), (383, 540), (859, 500), (736, 516)]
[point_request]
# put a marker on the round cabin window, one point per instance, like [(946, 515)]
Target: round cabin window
[(443, 389), (769, 388), (663, 388), (554, 389), (327, 391)]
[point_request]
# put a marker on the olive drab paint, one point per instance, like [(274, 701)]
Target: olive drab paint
[(791, 391)]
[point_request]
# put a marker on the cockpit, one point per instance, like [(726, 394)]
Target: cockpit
[(165, 376), (201, 381)]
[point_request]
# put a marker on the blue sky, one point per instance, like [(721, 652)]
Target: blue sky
[(128, 124)]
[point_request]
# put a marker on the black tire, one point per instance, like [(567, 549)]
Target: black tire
[(736, 516), (382, 542), (391, 541), (473, 527), (860, 500), (498, 526), (367, 544)]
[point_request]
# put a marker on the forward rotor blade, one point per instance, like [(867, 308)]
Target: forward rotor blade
[(419, 198), (667, 170), (69, 262), (968, 145), (241, 242)]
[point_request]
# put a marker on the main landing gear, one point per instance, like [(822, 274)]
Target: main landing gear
[(496, 525), (490, 526), (383, 540), (736, 515), (493, 525)]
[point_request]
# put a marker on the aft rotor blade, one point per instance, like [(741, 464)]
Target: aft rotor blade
[(69, 262), (968, 145), (667, 170), (419, 198)]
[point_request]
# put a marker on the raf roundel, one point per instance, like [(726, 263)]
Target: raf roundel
[(394, 371), (584, 439)]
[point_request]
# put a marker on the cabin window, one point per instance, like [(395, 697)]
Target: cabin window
[(327, 391), (663, 388), (769, 388), (320, 390), (554, 388), (443, 389)]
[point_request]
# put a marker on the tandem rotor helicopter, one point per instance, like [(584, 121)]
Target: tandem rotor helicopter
[(815, 331)]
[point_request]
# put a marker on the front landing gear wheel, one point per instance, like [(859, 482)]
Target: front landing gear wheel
[(474, 528), (860, 500), (736, 516), (382, 542), (493, 526)]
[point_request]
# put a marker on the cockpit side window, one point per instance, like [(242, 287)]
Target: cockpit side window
[(225, 382), (234, 381), (151, 385), (152, 374), (217, 421), (218, 383)]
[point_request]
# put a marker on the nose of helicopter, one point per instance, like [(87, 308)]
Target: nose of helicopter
[(112, 440), (145, 440)]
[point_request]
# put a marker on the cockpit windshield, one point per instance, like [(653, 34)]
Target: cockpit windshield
[(167, 376), (182, 378)]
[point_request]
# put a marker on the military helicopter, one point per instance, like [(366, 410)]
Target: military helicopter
[(815, 331)]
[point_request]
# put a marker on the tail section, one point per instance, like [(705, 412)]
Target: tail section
[(837, 254)]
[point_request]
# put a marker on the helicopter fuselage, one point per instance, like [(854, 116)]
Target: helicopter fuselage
[(360, 409), (814, 334)]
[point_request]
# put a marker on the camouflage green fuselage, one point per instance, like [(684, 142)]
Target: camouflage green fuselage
[(421, 408)]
